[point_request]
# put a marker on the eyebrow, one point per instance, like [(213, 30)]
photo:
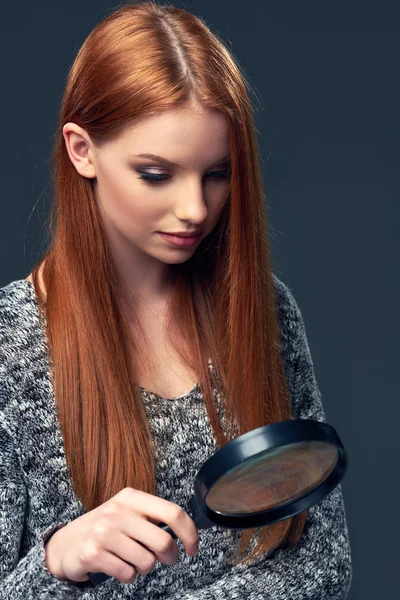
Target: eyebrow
[(170, 163)]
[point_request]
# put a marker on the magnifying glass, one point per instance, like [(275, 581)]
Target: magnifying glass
[(264, 476)]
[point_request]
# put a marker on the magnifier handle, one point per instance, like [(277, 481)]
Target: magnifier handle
[(198, 515), (168, 529)]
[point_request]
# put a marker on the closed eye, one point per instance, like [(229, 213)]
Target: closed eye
[(160, 177)]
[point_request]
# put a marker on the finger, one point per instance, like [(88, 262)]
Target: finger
[(148, 505)]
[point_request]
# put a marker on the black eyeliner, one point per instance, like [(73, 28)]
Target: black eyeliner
[(158, 177)]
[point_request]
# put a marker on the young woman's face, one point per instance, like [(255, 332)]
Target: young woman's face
[(189, 195)]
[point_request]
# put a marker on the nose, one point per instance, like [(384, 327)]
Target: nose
[(191, 204)]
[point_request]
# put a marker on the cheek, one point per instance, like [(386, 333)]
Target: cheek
[(216, 205), (131, 208)]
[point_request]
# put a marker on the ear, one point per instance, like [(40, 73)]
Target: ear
[(79, 149)]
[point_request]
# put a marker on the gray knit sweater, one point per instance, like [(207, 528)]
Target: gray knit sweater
[(36, 494)]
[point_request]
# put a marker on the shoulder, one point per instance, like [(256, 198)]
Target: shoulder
[(297, 359), (289, 313), (16, 303), (19, 319), (24, 383), (293, 339)]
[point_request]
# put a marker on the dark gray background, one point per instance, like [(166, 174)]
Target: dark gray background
[(326, 93)]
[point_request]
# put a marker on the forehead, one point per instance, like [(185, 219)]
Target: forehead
[(178, 133)]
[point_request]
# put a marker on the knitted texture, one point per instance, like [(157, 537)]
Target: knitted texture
[(36, 495)]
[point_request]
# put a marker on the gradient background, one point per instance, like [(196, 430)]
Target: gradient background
[(327, 97)]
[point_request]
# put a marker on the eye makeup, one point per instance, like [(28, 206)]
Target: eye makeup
[(160, 177)]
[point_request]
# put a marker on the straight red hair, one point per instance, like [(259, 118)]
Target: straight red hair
[(145, 58)]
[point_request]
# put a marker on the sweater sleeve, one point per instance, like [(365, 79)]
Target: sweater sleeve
[(24, 578), (320, 564)]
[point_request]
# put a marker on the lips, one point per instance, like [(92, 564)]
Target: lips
[(185, 235), (181, 241)]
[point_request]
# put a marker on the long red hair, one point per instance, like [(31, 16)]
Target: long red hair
[(141, 59)]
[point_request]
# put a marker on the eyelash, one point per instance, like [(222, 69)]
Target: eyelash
[(160, 177)]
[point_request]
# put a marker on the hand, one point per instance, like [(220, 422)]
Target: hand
[(108, 538)]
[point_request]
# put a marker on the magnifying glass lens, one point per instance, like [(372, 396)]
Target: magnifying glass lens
[(272, 478)]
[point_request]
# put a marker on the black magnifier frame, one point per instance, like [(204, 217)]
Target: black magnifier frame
[(248, 446)]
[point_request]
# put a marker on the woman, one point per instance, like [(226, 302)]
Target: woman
[(128, 356)]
